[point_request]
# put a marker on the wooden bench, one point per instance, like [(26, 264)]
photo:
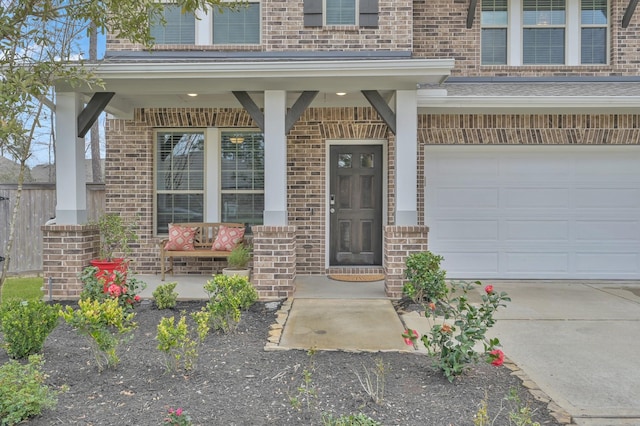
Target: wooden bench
[(205, 236)]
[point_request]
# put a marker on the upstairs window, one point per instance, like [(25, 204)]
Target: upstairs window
[(494, 20), (237, 27), (340, 12), (318, 13), (179, 29), (544, 32), (593, 32)]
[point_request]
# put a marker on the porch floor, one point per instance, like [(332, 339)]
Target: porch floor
[(190, 287)]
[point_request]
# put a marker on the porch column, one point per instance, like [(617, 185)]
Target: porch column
[(71, 193), (275, 158), (406, 157)]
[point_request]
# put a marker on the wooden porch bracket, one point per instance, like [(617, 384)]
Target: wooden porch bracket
[(251, 107), (92, 111), (298, 108), (628, 14), (383, 109), (471, 13)]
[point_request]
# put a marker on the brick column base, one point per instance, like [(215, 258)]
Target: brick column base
[(399, 243), (274, 261), (66, 251)]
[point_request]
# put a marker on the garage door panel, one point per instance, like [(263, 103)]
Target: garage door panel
[(534, 262), (536, 230), (559, 212), (539, 198), (611, 264), (468, 230), (606, 231), (468, 264), (461, 198), (607, 198)]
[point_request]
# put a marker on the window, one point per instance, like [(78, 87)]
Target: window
[(340, 12), (242, 177), (179, 29), (237, 27), (544, 32), (179, 178), (494, 21), (593, 37), (318, 13), (233, 191)]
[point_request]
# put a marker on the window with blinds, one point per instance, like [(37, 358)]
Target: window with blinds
[(543, 34), (179, 178), (340, 12), (242, 177), (494, 20), (593, 31), (180, 27), (241, 26)]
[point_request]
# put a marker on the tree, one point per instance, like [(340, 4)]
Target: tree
[(39, 42)]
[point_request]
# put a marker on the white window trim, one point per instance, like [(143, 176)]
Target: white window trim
[(324, 16), (572, 35)]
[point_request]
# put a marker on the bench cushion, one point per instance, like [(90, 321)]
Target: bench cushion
[(227, 238), (180, 238)]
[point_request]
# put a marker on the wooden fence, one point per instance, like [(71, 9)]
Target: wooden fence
[(37, 206)]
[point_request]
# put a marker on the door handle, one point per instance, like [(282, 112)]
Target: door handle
[(332, 210)]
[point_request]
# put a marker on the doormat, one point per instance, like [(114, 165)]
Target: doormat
[(357, 277)]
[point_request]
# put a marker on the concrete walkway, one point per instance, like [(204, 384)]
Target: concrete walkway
[(579, 341)]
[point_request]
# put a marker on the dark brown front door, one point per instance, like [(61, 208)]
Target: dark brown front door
[(355, 203)]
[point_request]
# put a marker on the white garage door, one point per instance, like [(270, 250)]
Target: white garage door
[(534, 212)]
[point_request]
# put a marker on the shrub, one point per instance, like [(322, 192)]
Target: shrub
[(178, 344), (26, 325), (165, 296), (451, 340), (228, 296), (350, 420), (124, 289), (426, 279), (239, 257), (22, 391), (105, 324)]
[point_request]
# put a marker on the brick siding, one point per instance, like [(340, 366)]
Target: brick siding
[(274, 261), (399, 243)]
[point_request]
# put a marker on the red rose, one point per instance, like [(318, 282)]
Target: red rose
[(497, 357), (410, 336), (488, 289), (136, 298)]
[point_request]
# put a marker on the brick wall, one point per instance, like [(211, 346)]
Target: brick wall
[(283, 29), (399, 243), (66, 250), (274, 261)]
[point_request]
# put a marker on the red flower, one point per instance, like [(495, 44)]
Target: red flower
[(114, 290), (496, 357), (136, 298), (488, 289), (432, 306), (410, 336), (179, 412), (446, 328)]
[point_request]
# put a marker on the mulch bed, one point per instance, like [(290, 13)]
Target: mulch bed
[(236, 382)]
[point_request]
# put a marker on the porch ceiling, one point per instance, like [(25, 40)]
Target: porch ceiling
[(166, 84)]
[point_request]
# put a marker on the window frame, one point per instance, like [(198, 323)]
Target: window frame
[(164, 28), (356, 19), (607, 34), (535, 26), (573, 30), (505, 26)]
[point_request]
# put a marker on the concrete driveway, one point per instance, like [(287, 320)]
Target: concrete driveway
[(580, 342)]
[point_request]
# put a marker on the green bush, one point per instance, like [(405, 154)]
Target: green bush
[(22, 391), (178, 344), (426, 279), (124, 289), (105, 324), (228, 296), (165, 296), (26, 325)]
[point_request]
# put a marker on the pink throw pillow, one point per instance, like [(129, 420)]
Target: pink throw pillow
[(180, 238), (227, 238)]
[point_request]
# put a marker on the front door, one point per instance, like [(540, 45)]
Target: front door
[(355, 205)]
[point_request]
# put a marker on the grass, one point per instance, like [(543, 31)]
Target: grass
[(25, 288)]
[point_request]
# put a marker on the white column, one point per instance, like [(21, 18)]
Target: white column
[(275, 158), (71, 192), (406, 157)]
